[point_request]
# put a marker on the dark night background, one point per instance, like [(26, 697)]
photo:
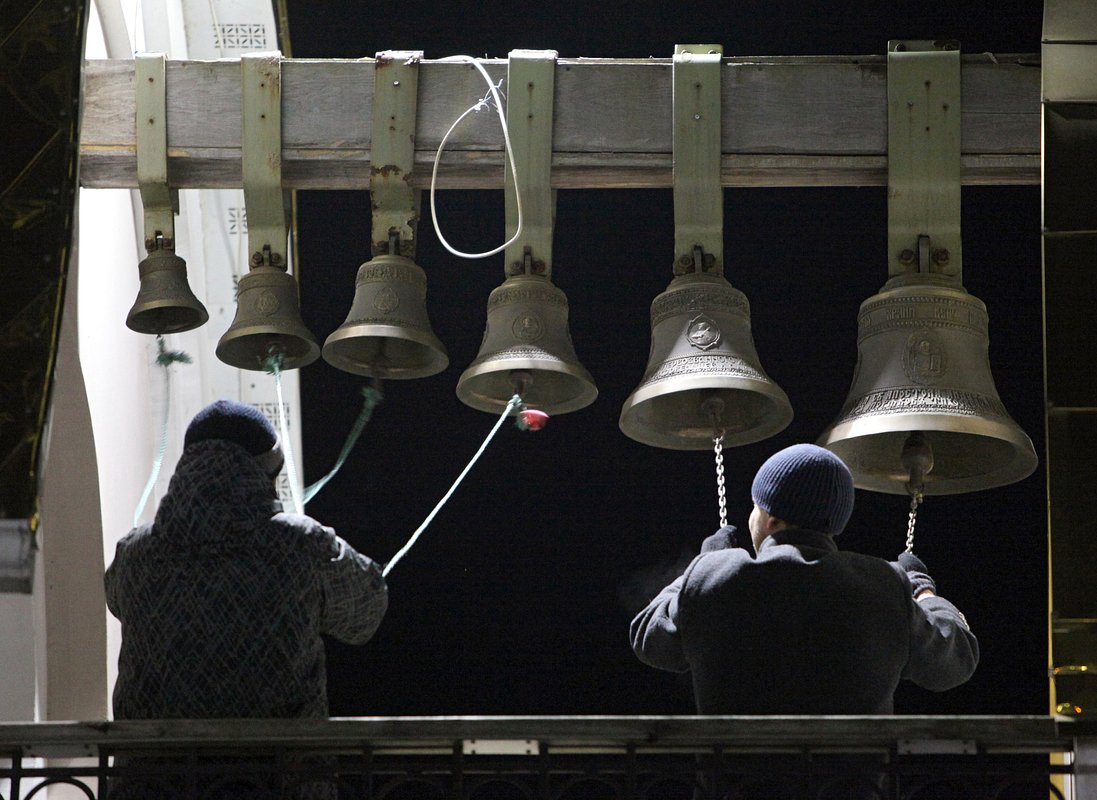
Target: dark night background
[(517, 599)]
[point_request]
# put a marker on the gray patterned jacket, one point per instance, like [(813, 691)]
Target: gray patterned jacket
[(223, 599)]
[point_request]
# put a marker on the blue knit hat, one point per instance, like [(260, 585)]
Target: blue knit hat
[(806, 486), (241, 424)]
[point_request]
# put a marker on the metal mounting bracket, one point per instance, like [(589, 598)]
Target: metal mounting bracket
[(261, 158), (160, 203), (392, 151), (698, 195), (924, 155), (531, 84)]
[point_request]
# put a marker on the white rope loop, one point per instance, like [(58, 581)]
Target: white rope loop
[(484, 102)]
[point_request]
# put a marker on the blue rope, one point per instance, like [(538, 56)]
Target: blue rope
[(164, 359), (514, 401), (371, 397)]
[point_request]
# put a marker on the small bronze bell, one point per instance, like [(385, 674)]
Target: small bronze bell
[(268, 322), (387, 333), (527, 350), (923, 368), (165, 303), (703, 374)]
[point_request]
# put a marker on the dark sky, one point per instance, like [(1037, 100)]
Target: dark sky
[(517, 598)]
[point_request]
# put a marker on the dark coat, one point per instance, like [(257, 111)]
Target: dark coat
[(802, 629), (223, 599)]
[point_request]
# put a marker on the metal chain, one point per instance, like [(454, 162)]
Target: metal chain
[(718, 446), (915, 499)]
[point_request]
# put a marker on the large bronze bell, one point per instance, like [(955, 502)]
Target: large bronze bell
[(703, 374), (165, 303), (268, 323), (923, 371), (387, 333), (527, 350)]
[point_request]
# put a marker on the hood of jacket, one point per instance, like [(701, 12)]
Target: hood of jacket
[(218, 490)]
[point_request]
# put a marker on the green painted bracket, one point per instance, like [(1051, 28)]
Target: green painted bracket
[(151, 128), (261, 158), (698, 195), (392, 150), (531, 84), (924, 159)]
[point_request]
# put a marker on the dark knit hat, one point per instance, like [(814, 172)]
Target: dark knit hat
[(806, 486), (241, 424)]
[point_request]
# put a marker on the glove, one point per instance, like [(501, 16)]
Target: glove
[(727, 537), (916, 571)]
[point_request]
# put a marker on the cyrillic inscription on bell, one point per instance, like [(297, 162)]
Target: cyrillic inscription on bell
[(702, 351), (923, 367)]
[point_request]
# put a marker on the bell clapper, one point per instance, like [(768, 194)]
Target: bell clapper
[(917, 458), (714, 407), (529, 419), (276, 356), (521, 380)]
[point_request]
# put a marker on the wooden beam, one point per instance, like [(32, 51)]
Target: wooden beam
[(1016, 734), (787, 121)]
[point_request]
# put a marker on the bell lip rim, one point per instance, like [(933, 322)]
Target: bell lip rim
[(435, 367), (587, 395), (646, 390), (1017, 469), (296, 362), (495, 407), (670, 442), (419, 337), (577, 370), (438, 363), (666, 441), (203, 318)]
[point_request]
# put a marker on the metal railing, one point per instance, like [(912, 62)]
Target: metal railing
[(557, 758)]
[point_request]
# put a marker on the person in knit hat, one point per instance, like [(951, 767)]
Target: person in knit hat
[(783, 622), (223, 598)]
